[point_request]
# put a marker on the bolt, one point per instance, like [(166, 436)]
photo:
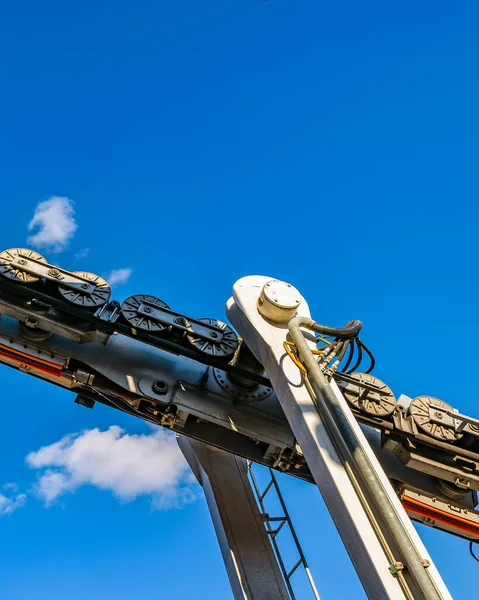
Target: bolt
[(180, 321), (213, 334), (438, 414), (22, 261), (160, 387), (147, 309), (84, 286), (55, 273)]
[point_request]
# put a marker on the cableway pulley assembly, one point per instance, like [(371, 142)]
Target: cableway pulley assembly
[(142, 312)]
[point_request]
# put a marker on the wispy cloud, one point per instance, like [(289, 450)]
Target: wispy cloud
[(118, 276), (126, 465), (82, 254), (9, 504), (56, 224)]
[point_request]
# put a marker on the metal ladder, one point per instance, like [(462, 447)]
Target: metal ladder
[(273, 530)]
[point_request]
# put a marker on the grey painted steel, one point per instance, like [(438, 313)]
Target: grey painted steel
[(247, 553), (134, 366), (332, 413)]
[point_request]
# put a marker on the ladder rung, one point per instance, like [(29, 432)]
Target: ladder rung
[(268, 487), (274, 532), (294, 568)]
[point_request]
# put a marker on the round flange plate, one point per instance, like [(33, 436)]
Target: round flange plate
[(100, 295), (13, 273), (367, 401), (278, 301), (419, 409), (224, 348), (281, 293), (129, 311), (241, 394)]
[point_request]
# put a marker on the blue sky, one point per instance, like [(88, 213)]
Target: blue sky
[(333, 145)]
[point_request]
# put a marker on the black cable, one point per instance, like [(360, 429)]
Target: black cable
[(344, 348), (472, 552), (370, 354), (359, 359), (350, 358)]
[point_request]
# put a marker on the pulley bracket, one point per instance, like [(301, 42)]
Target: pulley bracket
[(43, 270), (169, 317)]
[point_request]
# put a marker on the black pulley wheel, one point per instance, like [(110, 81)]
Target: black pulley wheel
[(129, 312), (224, 348), (83, 298)]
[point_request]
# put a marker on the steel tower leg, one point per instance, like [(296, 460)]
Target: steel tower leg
[(252, 569), (385, 571)]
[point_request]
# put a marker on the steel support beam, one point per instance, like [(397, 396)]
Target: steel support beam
[(252, 568), (365, 534)]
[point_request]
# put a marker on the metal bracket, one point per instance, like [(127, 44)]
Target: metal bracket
[(191, 326), (451, 418), (52, 273)]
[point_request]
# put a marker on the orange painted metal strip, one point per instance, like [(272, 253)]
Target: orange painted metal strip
[(21, 358), (37, 359), (441, 516)]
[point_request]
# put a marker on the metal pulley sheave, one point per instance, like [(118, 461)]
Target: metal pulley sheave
[(369, 395), (223, 348), (429, 420), (15, 273), (81, 296), (130, 311)]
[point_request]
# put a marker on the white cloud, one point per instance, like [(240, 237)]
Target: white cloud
[(118, 276), (8, 505), (126, 465), (10, 486), (56, 224), (82, 254)]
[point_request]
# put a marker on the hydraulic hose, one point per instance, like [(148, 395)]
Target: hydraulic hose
[(359, 358), (350, 331), (335, 418)]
